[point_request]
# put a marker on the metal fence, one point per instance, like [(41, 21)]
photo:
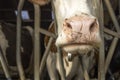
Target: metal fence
[(39, 65)]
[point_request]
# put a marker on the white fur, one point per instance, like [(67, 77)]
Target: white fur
[(66, 9)]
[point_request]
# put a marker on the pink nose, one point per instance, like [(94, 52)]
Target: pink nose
[(81, 24)]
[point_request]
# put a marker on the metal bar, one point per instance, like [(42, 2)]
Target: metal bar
[(18, 41), (4, 65), (36, 42), (59, 54), (28, 9), (114, 19), (119, 7), (29, 20), (110, 53), (47, 33), (101, 65), (60, 62), (85, 72), (42, 65), (108, 31), (55, 20), (117, 26)]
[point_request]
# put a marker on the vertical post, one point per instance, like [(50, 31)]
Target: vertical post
[(59, 54), (36, 41), (18, 41), (101, 64), (84, 67), (60, 62), (119, 7), (55, 21)]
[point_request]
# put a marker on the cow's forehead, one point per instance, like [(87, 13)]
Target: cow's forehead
[(68, 8)]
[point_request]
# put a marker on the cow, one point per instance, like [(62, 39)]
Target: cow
[(78, 29), (8, 46)]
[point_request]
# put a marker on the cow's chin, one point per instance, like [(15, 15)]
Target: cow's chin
[(76, 48)]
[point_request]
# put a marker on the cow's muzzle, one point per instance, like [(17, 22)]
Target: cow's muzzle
[(80, 29), (79, 33)]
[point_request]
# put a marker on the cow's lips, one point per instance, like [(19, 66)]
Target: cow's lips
[(77, 44), (77, 47)]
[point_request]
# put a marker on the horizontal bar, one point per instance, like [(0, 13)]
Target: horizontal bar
[(43, 31), (13, 9), (108, 31), (25, 20)]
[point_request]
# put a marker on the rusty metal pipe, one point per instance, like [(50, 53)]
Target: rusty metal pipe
[(110, 53), (42, 65), (37, 53), (4, 65), (18, 41)]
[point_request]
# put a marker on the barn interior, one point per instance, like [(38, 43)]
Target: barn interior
[(8, 22), (8, 17)]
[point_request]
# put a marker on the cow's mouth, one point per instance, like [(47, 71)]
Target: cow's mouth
[(80, 44), (78, 47)]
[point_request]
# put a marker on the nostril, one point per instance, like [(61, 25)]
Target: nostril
[(69, 25), (93, 27)]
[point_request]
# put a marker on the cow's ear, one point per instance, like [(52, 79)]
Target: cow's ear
[(40, 2)]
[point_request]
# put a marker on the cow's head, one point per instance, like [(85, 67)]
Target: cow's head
[(78, 26)]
